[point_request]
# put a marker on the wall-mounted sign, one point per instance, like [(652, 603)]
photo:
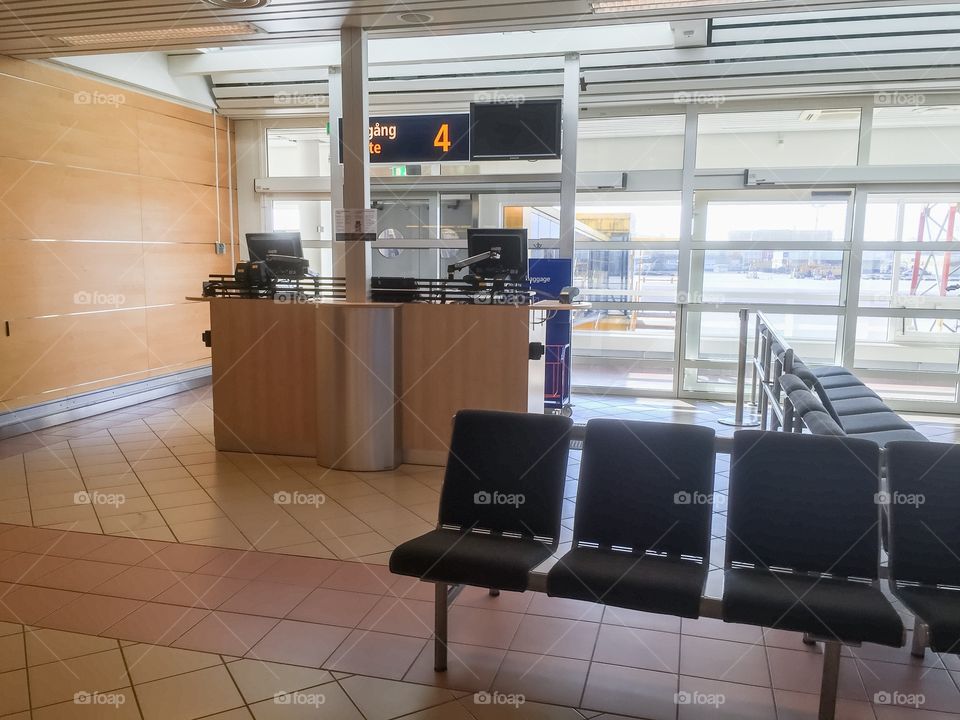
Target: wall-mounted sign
[(359, 224), (400, 139)]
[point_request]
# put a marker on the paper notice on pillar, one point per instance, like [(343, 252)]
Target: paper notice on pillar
[(356, 224)]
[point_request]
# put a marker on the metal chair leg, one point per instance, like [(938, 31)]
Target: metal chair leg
[(440, 627), (830, 681), (921, 638), (494, 592), (808, 639)]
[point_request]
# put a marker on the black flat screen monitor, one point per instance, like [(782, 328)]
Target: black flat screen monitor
[(259, 245), (513, 252), (521, 131)]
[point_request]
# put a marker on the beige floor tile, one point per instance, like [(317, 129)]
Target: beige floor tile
[(324, 701), (192, 695), (201, 529), (58, 681), (13, 692), (132, 522), (45, 645), (146, 663), (120, 704), (351, 547), (259, 680), (7, 628), (124, 505), (84, 526), (314, 549), (181, 499), (282, 537), (11, 653), (385, 699), (448, 711), (72, 514), (339, 526), (190, 513), (369, 504)]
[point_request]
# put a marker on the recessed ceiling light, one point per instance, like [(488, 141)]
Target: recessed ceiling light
[(614, 6), (175, 33), (415, 18), (237, 4)]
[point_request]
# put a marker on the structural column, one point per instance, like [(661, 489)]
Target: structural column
[(568, 171), (356, 157)]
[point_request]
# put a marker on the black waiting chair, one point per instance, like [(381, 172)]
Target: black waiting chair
[(641, 534), (500, 508), (924, 507), (803, 544)]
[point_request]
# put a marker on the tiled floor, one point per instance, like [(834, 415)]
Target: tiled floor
[(182, 589)]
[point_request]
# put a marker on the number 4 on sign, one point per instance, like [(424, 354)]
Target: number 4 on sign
[(442, 140)]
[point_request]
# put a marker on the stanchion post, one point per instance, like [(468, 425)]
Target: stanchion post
[(738, 420)]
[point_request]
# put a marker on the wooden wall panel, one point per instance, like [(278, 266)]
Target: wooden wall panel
[(108, 220), (53, 278), (174, 334), (60, 127), (179, 212), (69, 351), (176, 149), (66, 203), (166, 278)]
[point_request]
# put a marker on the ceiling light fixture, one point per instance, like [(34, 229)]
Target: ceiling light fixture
[(415, 18), (237, 4), (175, 33), (615, 6)]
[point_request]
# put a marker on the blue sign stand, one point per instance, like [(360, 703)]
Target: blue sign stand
[(547, 277)]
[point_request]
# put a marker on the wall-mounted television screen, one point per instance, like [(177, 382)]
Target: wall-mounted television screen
[(519, 131)]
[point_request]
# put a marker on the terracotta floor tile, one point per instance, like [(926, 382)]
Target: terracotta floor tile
[(297, 706), (542, 678), (192, 695), (121, 705), (183, 558), (270, 599), (81, 545), (241, 564), (157, 624), (358, 577), (938, 691), (700, 699), (126, 551), (305, 571), (26, 605), (80, 575), (376, 654), (622, 690), (647, 621), (334, 607), (481, 598), (401, 617), (226, 633), (469, 667), (724, 660), (556, 636), (138, 583), (299, 643), (91, 614), (490, 628), (801, 671), (804, 706), (634, 647), (27, 568), (203, 591), (565, 608)]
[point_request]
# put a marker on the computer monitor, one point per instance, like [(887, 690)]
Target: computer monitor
[(259, 245), (513, 252)]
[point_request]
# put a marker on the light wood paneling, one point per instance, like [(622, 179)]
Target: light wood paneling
[(173, 334), (177, 149), (71, 350), (264, 376), (179, 212), (87, 190), (53, 278), (65, 203), (168, 279), (455, 357), (58, 126)]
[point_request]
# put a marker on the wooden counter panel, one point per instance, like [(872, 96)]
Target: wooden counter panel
[(454, 358), (264, 376)]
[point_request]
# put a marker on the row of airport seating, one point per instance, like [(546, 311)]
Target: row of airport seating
[(802, 549), (833, 401)]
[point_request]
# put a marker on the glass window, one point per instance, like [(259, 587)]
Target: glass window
[(298, 152), (911, 218), (799, 277), (910, 279), (312, 219), (913, 134), (630, 143), (782, 138), (775, 220)]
